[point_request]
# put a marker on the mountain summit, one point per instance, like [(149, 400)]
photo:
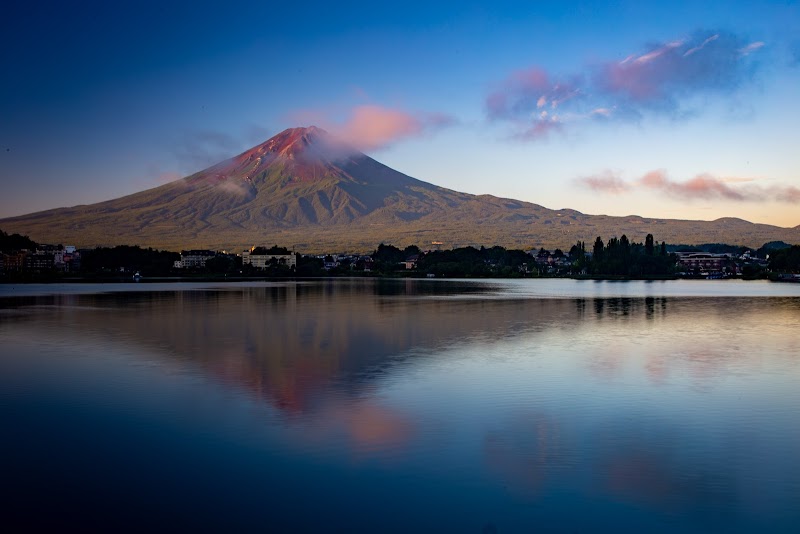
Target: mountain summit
[(305, 188)]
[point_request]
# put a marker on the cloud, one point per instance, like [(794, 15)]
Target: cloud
[(373, 126), (527, 90), (788, 194), (370, 127), (701, 46), (601, 112), (751, 47), (701, 187), (521, 92), (200, 149), (605, 182), (661, 78)]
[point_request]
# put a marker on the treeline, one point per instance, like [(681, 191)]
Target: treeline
[(454, 263), (126, 258), (13, 242), (785, 260), (621, 257), (473, 262)]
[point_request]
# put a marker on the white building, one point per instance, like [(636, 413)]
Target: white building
[(261, 258), (195, 258)]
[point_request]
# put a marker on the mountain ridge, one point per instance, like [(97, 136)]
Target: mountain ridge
[(304, 188)]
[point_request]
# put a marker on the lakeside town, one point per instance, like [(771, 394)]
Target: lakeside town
[(22, 259)]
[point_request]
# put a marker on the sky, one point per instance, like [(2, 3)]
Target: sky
[(685, 110)]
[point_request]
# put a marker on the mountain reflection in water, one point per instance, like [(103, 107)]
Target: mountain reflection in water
[(468, 406)]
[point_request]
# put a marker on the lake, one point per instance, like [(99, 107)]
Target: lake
[(401, 406)]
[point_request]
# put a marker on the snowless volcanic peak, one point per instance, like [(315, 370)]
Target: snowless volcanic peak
[(294, 156), (296, 142)]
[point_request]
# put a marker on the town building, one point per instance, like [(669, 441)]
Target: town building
[(411, 261), (261, 258), (194, 258), (704, 262), (39, 261)]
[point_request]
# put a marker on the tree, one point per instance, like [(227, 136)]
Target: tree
[(620, 257), (649, 247), (787, 259), (597, 251), (11, 242)]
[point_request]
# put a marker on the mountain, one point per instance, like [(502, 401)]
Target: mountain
[(303, 188)]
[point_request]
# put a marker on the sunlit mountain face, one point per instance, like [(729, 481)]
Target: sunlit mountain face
[(307, 189)]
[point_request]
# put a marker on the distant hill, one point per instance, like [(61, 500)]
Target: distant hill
[(303, 188)]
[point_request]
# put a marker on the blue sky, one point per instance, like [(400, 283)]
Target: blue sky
[(680, 110)]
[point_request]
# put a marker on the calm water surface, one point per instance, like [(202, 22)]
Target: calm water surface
[(377, 406)]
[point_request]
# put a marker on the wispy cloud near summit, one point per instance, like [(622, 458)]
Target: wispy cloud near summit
[(371, 127)]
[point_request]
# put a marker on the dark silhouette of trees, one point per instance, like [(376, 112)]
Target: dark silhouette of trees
[(387, 258), (621, 257), (785, 259), (224, 264), (125, 258), (274, 250), (13, 242), (577, 254), (598, 249)]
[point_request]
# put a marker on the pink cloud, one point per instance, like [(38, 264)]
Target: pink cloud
[(601, 112), (659, 79), (788, 194), (703, 186), (708, 187), (370, 127), (523, 89), (606, 182), (540, 129)]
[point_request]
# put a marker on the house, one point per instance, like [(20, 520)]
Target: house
[(411, 261), (194, 258)]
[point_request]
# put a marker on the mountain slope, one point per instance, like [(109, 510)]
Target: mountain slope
[(303, 188)]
